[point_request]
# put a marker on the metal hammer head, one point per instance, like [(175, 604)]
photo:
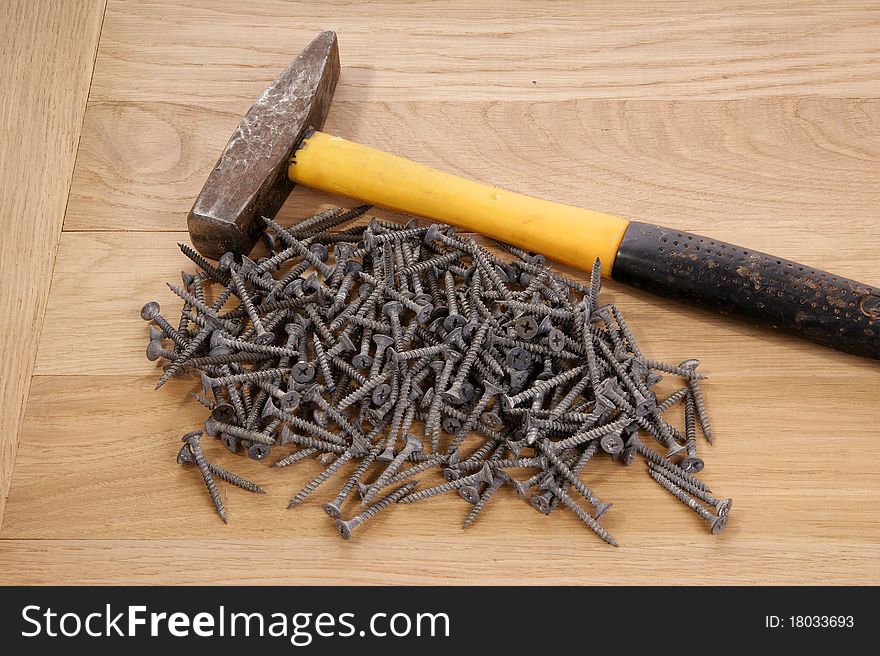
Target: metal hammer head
[(250, 178)]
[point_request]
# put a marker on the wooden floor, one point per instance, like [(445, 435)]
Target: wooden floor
[(756, 123)]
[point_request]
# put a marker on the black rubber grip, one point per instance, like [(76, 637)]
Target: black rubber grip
[(770, 291)]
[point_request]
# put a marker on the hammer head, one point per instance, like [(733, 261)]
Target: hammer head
[(250, 178)]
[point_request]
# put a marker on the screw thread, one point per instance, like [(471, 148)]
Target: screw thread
[(318, 480), (323, 363), (690, 426), (662, 462), (383, 503), (235, 479), (583, 515), (205, 471), (481, 503), (676, 371), (683, 496), (700, 403), (591, 434), (203, 263), (673, 399)]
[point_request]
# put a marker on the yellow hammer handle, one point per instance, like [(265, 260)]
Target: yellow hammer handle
[(566, 234)]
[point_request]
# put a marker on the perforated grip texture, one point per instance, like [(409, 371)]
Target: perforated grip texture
[(773, 292)]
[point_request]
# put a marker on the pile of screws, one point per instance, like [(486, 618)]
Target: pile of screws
[(346, 337)]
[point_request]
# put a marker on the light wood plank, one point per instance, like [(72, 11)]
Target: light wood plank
[(673, 113), (109, 276), (402, 561), (753, 171), (96, 464), (491, 50), (47, 52)]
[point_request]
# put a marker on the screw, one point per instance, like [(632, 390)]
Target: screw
[(691, 463), (192, 439), (722, 506), (550, 485), (412, 445), (185, 455), (150, 312), (697, 394), (716, 522), (345, 528)]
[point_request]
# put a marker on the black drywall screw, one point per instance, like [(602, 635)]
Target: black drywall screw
[(697, 394), (501, 478), (550, 485), (192, 439), (691, 463), (345, 528), (577, 484), (716, 522), (186, 455), (722, 506), (483, 476)]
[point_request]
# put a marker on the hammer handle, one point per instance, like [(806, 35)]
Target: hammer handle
[(770, 291)]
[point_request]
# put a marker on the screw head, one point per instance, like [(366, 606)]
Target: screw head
[(223, 412), (387, 455), (192, 438), (724, 506), (391, 308), (150, 311), (185, 455), (303, 372), (230, 442), (427, 399), (258, 451), (611, 443), (212, 427), (319, 250), (720, 524), (451, 425), (424, 313), (469, 493), (540, 503), (518, 359), (556, 340), (381, 394), (602, 508), (362, 361), (451, 473), (433, 234), (491, 418), (344, 529), (692, 465), (692, 363), (264, 339), (382, 342), (154, 350), (414, 443), (453, 321), (332, 510), (226, 261)]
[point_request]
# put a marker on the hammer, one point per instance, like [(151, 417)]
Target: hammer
[(278, 144)]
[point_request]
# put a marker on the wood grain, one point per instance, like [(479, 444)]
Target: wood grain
[(757, 124), (47, 51), (96, 465), (780, 163), (491, 50)]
